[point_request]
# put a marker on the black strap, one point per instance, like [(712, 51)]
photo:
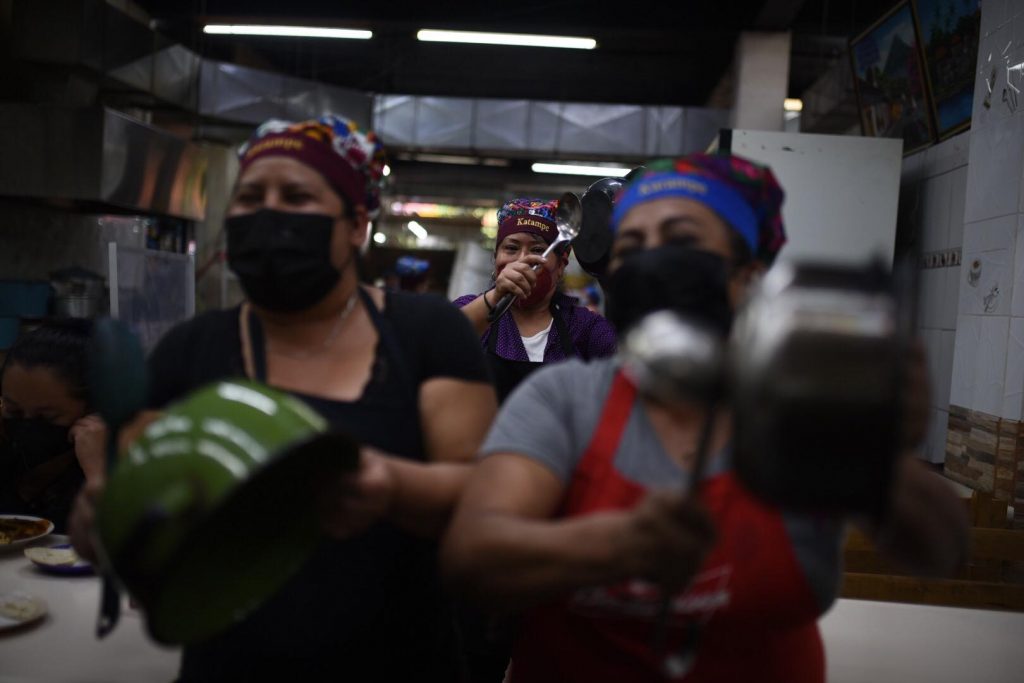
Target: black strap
[(388, 337), (392, 348), (259, 351), (492, 335), (563, 331)]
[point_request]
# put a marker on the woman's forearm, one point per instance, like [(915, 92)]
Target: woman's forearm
[(509, 562), (926, 529), (425, 494), (477, 311)]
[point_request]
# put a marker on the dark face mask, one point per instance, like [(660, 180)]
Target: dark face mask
[(283, 259), (671, 277), (31, 442)]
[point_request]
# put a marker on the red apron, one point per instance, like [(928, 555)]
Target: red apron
[(748, 615)]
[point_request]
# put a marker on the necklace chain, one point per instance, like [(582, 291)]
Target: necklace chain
[(329, 340)]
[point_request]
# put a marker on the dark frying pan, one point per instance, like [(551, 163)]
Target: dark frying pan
[(594, 243)]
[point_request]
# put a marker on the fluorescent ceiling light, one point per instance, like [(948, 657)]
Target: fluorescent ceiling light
[(290, 31), (380, 238), (793, 104), (520, 39), (447, 159), (417, 229), (580, 169)]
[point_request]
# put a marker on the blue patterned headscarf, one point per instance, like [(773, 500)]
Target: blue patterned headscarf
[(745, 195)]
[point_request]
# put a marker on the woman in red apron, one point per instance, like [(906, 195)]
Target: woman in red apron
[(577, 518)]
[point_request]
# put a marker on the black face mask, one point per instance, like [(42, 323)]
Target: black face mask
[(283, 259), (672, 277), (31, 442)]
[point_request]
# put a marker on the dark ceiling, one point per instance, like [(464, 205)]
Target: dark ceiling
[(650, 52)]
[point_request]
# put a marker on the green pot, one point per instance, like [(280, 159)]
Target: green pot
[(214, 507)]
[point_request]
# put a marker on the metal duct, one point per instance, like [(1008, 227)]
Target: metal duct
[(251, 96), (100, 156), (101, 38), (535, 128), (95, 35)]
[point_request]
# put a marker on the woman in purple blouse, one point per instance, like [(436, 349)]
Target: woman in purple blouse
[(543, 325)]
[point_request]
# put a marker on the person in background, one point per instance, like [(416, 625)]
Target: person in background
[(402, 374), (578, 512), (413, 274), (49, 442), (543, 325), (592, 297)]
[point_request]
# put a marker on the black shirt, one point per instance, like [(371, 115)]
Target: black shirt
[(365, 609)]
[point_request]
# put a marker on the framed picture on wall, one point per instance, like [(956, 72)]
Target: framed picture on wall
[(890, 81), (949, 39)]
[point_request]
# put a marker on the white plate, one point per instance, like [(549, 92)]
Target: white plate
[(47, 524), (20, 609), (58, 559)]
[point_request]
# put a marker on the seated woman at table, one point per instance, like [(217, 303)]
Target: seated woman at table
[(543, 325), (49, 442), (401, 373)]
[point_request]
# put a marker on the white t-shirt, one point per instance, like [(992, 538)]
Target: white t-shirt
[(536, 344)]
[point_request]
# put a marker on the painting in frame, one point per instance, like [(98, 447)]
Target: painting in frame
[(889, 78), (949, 31)]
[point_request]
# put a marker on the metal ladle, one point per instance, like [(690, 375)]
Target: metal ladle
[(673, 359), (568, 219)]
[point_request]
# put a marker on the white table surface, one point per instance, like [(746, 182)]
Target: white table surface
[(63, 647), (879, 642), (865, 641)]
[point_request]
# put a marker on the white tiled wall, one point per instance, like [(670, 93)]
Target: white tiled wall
[(996, 164), (1013, 391), (988, 354), (979, 363), (938, 178), (1017, 305), (988, 268), (957, 199)]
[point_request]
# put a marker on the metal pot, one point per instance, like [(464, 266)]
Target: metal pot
[(812, 372), (815, 360), (78, 293)]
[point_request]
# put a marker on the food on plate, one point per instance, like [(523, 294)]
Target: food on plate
[(21, 608), (52, 556), (13, 529)]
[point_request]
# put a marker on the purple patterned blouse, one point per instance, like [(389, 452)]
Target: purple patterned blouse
[(592, 335)]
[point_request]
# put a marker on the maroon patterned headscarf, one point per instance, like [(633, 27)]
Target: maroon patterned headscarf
[(352, 161), (534, 216)]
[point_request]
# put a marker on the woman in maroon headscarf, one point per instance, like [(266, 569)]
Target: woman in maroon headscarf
[(543, 325), (402, 373)]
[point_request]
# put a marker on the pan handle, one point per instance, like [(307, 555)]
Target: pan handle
[(500, 309), (506, 301), (559, 246)]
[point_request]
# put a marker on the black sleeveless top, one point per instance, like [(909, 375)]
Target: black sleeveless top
[(365, 609)]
